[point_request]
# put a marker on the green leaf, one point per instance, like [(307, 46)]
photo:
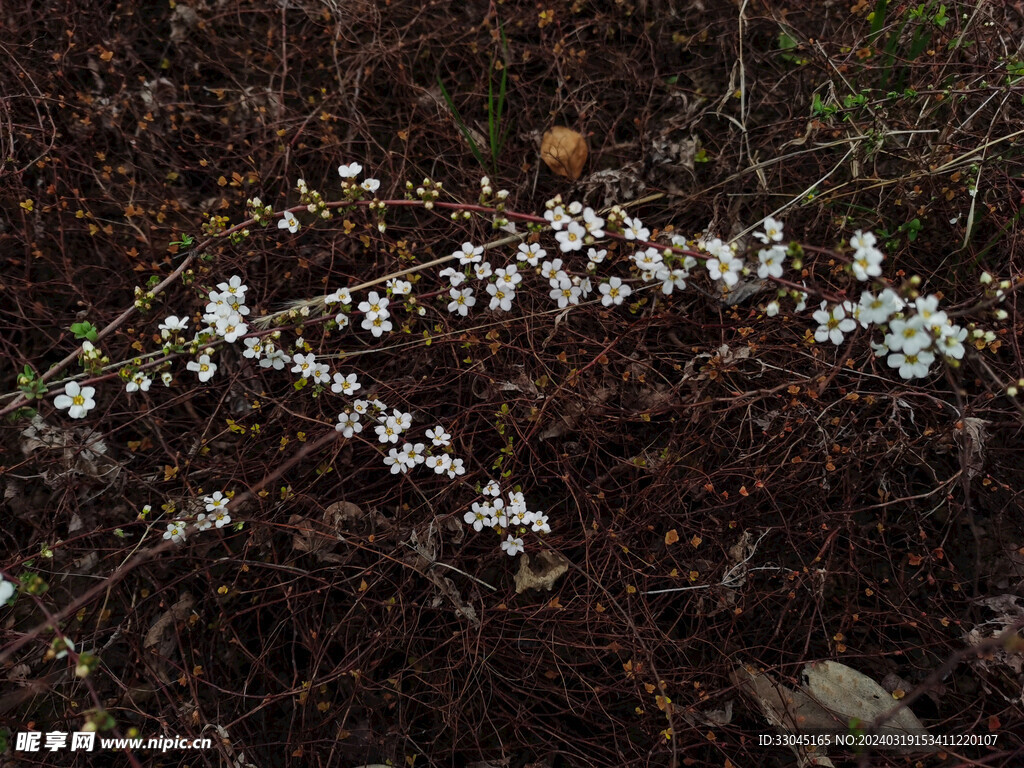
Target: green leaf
[(84, 330)]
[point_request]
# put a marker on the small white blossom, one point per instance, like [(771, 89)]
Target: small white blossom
[(175, 531), (951, 341), (862, 240), (614, 291), (557, 217), (912, 366), (570, 238), (878, 309), (491, 489), (469, 254), (512, 545), (480, 517), (215, 502), (595, 257), (171, 324), (928, 310), (508, 277), (322, 373), (593, 223), (772, 308), (439, 462), (138, 381), (551, 269), (389, 431), (375, 306), (867, 263), (461, 300), (289, 222), (457, 468), (832, 324), (204, 367), (77, 399), (304, 364), (276, 359), (439, 437), (166, 378), (771, 261), (350, 171), (501, 298), (482, 270), (347, 385), (340, 296), (253, 348), (455, 278), (370, 185), (377, 326), (634, 229), (772, 231), (671, 279), (908, 336), (348, 424), (204, 522), (399, 287), (566, 293), (395, 460), (531, 253)]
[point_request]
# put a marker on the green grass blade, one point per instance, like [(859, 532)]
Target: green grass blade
[(462, 125)]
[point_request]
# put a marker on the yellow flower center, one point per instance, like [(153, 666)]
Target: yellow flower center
[(204, 367), (78, 400)]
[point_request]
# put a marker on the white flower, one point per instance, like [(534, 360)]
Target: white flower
[(832, 324), (413, 454), (230, 328), (501, 298), (574, 208), (551, 269), (671, 279), (928, 309), (166, 378), (350, 171), (512, 545), (276, 359), (404, 420), (439, 437), (613, 291), (570, 238), (727, 270), (491, 489), (139, 381), (648, 260), (508, 277), (556, 217), (175, 531), (801, 305), (867, 262), (455, 278), (468, 253), (7, 591), (771, 261), (483, 270), (215, 502), (585, 287), (878, 309), (862, 240), (389, 431), (377, 326), (289, 222), (595, 257), (635, 230), (253, 348), (461, 300), (531, 253), (322, 373), (304, 364), (221, 518), (348, 424), (340, 296), (772, 231), (951, 341), (566, 293), (360, 406), (912, 366), (539, 523), (204, 522), (908, 336), (171, 324), (204, 367), (347, 385), (772, 308), (399, 287), (375, 306), (457, 468), (233, 287), (395, 460), (593, 223), (440, 463), (370, 185), (480, 517)]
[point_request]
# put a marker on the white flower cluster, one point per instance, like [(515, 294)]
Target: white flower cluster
[(509, 518), (215, 516)]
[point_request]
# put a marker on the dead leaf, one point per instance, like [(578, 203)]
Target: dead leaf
[(540, 572), (974, 445), (565, 151), (161, 633)]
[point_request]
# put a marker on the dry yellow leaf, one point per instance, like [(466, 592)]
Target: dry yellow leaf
[(671, 537), (565, 151)]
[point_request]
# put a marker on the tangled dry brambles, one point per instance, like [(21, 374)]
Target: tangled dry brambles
[(724, 492)]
